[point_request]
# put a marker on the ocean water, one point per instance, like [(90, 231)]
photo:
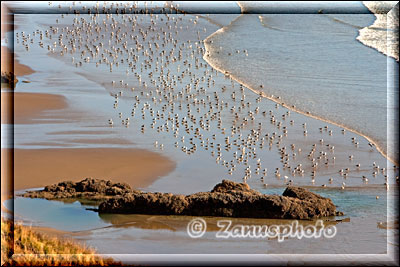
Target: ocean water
[(90, 86), (308, 63), (314, 63), (383, 34)]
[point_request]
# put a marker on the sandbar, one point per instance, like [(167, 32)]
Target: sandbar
[(139, 168), (28, 106)]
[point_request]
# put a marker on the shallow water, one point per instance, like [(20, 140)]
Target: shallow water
[(320, 69), (143, 233), (91, 94)]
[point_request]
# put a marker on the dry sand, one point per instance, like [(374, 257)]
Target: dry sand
[(40, 167), (28, 106)]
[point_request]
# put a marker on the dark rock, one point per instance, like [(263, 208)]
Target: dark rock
[(88, 188), (227, 199), (300, 193), (227, 186)]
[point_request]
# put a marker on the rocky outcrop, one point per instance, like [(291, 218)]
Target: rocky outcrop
[(88, 188), (227, 186), (227, 199)]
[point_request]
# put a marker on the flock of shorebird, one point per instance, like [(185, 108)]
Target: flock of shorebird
[(175, 91)]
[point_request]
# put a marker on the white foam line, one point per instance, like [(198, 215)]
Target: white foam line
[(378, 148)]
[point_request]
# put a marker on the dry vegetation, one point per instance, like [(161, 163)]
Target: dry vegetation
[(35, 249)]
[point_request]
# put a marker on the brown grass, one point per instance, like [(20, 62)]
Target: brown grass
[(36, 249)]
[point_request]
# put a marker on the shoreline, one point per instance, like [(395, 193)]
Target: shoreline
[(390, 49), (103, 239), (262, 94), (307, 114)]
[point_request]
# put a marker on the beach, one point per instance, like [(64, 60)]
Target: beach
[(36, 168), (176, 103), (28, 106)]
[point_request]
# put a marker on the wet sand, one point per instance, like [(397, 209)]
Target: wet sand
[(101, 141), (6, 55), (79, 132), (71, 143), (40, 167), (47, 144), (65, 162), (29, 106), (6, 63)]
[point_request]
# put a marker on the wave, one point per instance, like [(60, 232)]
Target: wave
[(383, 34), (380, 147), (214, 57)]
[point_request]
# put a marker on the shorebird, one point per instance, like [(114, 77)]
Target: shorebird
[(387, 186), (167, 76)]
